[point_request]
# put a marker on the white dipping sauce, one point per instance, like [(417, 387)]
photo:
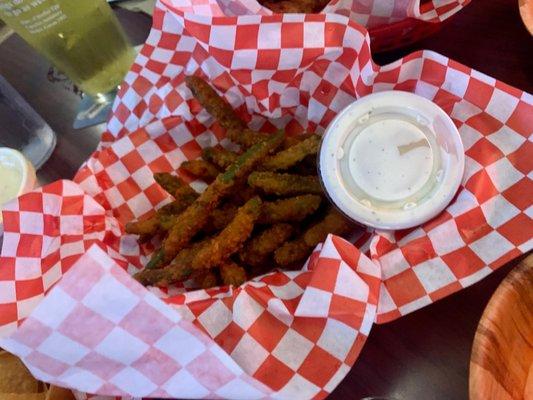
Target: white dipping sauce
[(390, 160), (10, 181)]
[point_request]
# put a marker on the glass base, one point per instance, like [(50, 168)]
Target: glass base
[(94, 111)]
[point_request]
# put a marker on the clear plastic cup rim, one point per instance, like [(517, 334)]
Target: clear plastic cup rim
[(438, 123)]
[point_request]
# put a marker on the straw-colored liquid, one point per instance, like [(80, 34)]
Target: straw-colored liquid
[(81, 37)]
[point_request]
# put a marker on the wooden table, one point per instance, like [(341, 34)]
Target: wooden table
[(424, 355)]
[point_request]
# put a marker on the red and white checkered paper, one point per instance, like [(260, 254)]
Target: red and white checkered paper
[(369, 13), (287, 334)]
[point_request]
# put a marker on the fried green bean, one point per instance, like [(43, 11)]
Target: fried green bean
[(298, 249), (257, 249), (287, 158), (222, 216), (232, 273), (178, 270), (284, 184), (334, 222), (246, 137), (295, 139), (206, 280), (148, 226), (292, 209), (232, 237), (164, 217), (292, 252), (214, 104), (194, 218), (201, 169), (168, 181), (219, 156)]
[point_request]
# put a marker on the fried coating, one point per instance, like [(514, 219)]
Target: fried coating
[(289, 157), (257, 250), (148, 226), (206, 280), (168, 181), (284, 184), (232, 237), (300, 248), (295, 6), (334, 222), (219, 156), (292, 252), (295, 139), (201, 169), (166, 215), (178, 270), (214, 104), (232, 274), (194, 218), (222, 216), (242, 193), (292, 209), (246, 137)]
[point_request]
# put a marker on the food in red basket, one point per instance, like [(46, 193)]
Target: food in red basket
[(232, 230), (298, 249), (284, 184), (202, 169), (294, 6)]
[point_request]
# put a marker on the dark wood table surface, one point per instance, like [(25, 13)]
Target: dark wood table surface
[(422, 356)]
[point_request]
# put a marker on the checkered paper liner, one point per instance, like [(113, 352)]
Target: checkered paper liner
[(286, 334), (369, 13)]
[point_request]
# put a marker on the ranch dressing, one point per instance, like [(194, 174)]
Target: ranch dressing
[(10, 181), (391, 160)]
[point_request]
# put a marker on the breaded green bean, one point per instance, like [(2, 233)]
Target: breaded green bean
[(232, 237), (292, 209), (214, 104), (168, 181), (287, 158), (300, 248), (219, 156), (177, 271), (222, 216), (232, 273), (201, 169), (164, 217), (292, 140), (292, 252), (257, 250), (194, 218), (206, 280), (148, 226), (284, 184), (334, 222), (246, 137)]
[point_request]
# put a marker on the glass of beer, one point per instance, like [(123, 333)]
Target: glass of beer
[(82, 38)]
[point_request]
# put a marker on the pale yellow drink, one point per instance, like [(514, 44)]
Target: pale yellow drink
[(81, 37)]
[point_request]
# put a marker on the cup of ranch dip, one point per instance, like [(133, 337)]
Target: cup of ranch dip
[(391, 160), (17, 176)]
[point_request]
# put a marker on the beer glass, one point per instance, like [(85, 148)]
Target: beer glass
[(82, 38)]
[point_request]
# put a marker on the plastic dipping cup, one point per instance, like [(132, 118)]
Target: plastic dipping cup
[(391, 160), (17, 175)]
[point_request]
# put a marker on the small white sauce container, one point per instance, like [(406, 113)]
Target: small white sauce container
[(14, 163), (391, 160)]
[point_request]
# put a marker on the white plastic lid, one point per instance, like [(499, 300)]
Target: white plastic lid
[(17, 175), (391, 160)]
